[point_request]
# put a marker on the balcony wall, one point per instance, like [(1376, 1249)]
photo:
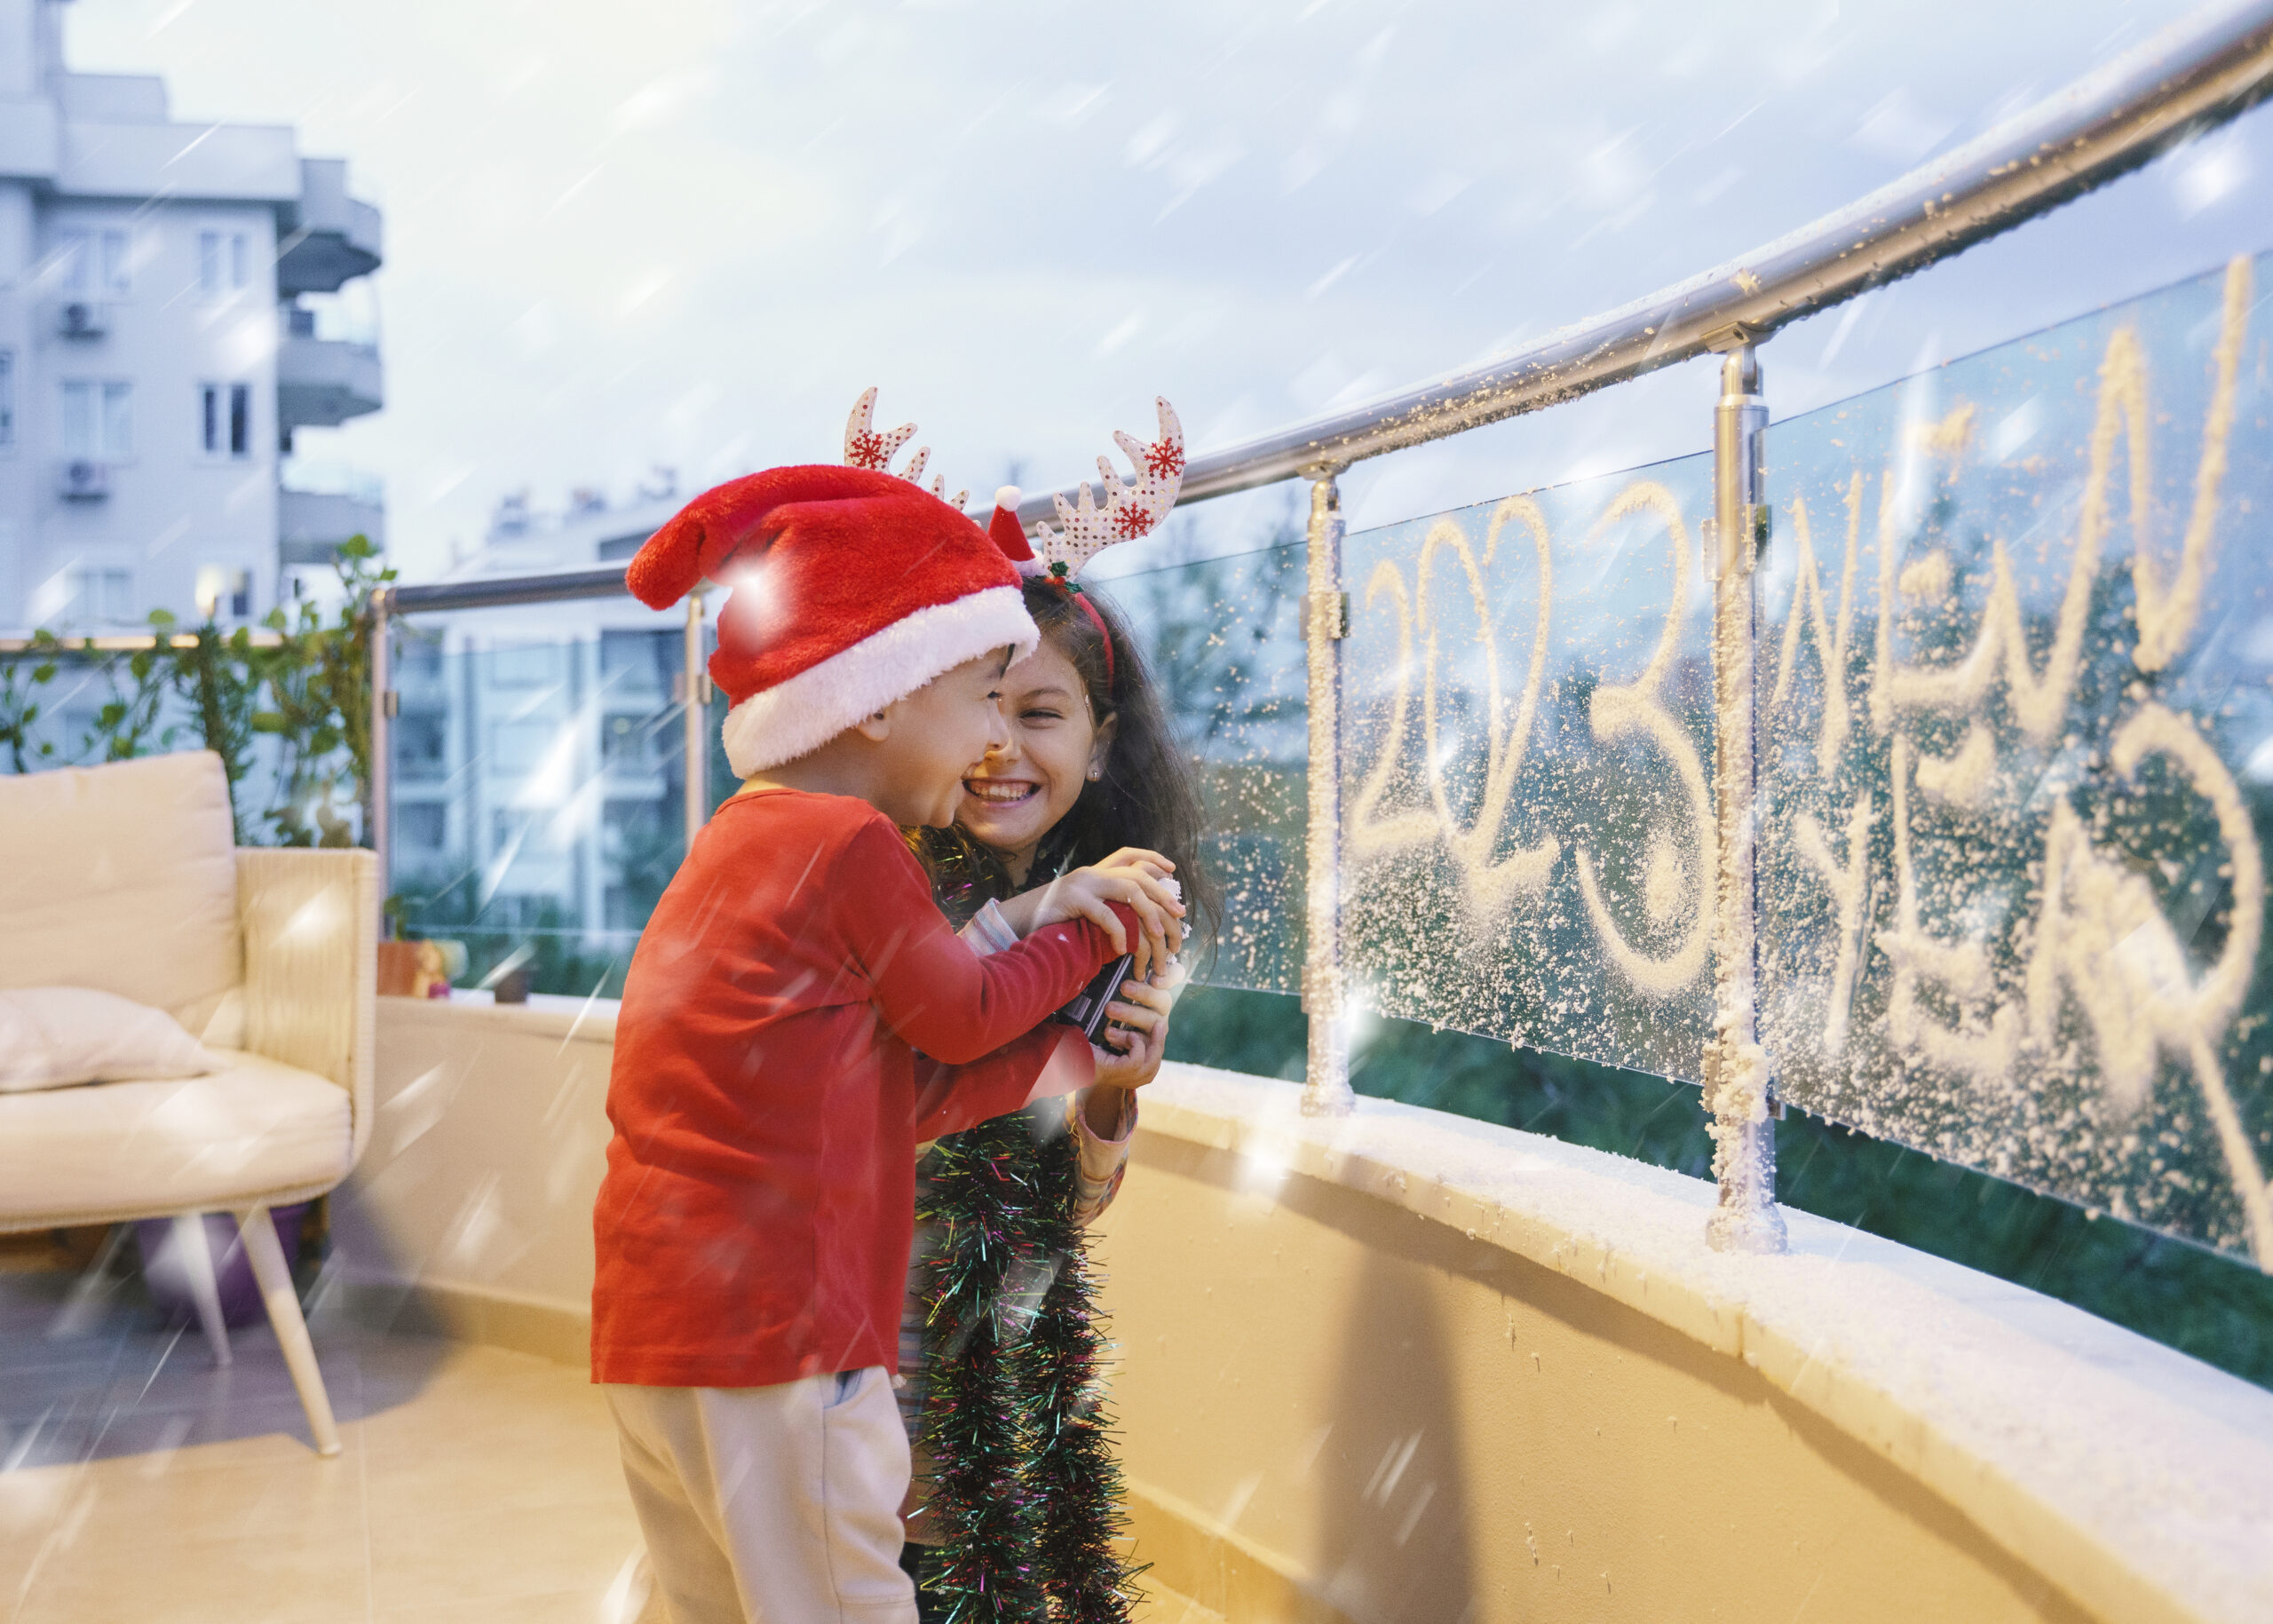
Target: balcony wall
[(1405, 1366), (321, 383), (329, 238), (311, 525), (245, 162)]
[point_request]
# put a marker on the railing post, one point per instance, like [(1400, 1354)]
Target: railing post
[(1736, 1068), (379, 814), (696, 718), (1325, 623)]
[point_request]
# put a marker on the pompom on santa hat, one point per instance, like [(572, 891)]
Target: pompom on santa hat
[(854, 586)]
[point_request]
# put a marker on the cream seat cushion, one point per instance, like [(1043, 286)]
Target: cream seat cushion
[(125, 878), (192, 1144)]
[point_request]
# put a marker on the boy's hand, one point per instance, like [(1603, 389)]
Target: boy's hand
[(1136, 879)]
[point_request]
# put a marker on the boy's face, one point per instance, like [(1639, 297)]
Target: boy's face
[(937, 733)]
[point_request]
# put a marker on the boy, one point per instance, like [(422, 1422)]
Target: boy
[(752, 1230)]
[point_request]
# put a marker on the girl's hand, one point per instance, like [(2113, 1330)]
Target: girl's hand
[(1136, 878), (1139, 1020)]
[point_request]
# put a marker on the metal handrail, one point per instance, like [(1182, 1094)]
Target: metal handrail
[(2190, 78), (504, 591)]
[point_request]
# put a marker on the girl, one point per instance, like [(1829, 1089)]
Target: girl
[(1090, 801)]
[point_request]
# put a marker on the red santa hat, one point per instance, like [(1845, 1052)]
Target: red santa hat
[(852, 588)]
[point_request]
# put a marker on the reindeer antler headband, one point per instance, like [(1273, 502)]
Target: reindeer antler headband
[(1130, 509)]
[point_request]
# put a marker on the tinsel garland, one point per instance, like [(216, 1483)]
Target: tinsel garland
[(1026, 1493), (1073, 1473), (981, 1195)]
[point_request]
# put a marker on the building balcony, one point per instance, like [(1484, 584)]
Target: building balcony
[(322, 382), (312, 526), (329, 238)]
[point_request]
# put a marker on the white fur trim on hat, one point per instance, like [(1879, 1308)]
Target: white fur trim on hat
[(805, 712)]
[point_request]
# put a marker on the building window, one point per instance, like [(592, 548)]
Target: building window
[(7, 398), (636, 663), (97, 420), (224, 262), (93, 263), (224, 588), (627, 745), (105, 595), (224, 419), (421, 745), (424, 824), (527, 665), (519, 747), (533, 834)]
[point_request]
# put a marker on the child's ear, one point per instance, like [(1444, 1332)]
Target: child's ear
[(1101, 747), (876, 729)]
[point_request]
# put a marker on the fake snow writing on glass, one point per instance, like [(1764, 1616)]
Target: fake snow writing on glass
[(2015, 714), (2017, 735), (1527, 739)]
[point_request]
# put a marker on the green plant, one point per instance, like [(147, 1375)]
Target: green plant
[(132, 718), (309, 692), (123, 726), (21, 676), (220, 675), (319, 682)]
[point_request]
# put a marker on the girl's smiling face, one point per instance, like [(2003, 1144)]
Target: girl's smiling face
[(1019, 793)]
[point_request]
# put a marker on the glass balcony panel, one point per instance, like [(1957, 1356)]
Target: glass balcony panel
[(1527, 747), (538, 786), (2016, 745), (1224, 640)]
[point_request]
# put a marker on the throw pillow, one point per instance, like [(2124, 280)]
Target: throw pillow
[(53, 1037)]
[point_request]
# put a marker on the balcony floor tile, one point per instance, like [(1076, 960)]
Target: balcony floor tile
[(137, 1480)]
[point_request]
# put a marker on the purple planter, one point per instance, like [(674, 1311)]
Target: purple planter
[(169, 1282)]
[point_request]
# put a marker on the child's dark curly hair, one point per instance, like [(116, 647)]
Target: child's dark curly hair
[(1145, 796)]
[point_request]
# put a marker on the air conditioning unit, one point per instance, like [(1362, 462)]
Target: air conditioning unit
[(82, 479), (82, 319)]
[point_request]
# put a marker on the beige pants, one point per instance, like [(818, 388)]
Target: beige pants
[(771, 1505)]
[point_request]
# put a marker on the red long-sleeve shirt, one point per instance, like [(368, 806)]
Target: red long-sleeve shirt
[(753, 1226)]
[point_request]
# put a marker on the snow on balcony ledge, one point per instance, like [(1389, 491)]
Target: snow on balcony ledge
[(2138, 1480)]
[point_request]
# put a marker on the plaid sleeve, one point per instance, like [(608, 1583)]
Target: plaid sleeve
[(988, 932), (1099, 1163)]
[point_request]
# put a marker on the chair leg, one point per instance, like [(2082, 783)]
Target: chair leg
[(197, 1264), (269, 1268)]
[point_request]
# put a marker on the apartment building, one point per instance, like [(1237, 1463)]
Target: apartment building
[(176, 301)]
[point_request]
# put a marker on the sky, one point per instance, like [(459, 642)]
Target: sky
[(689, 233)]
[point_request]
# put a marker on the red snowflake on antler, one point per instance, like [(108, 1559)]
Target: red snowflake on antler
[(1165, 459), (1130, 510), (865, 447)]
